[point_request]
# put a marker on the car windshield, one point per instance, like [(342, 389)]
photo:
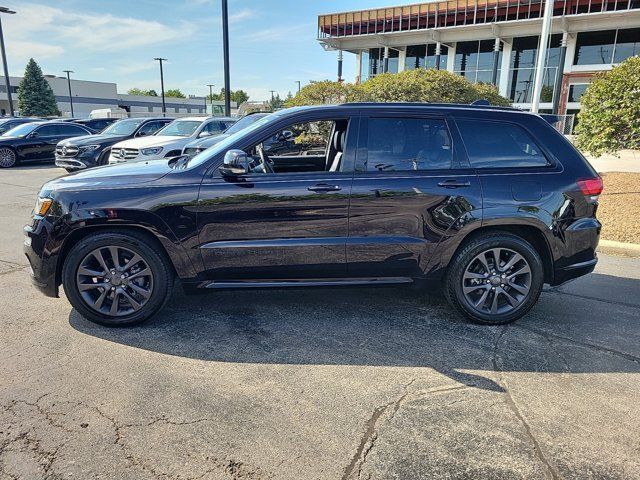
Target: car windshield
[(122, 127), (230, 140), (180, 128), (20, 130), (243, 123)]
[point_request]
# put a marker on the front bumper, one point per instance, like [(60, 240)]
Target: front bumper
[(79, 162), (43, 263)]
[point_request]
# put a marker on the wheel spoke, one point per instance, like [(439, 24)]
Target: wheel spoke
[(483, 298), (114, 257), (512, 300), (115, 303), (98, 303), (471, 275), (522, 289), (496, 258), (515, 258), (494, 302), (89, 272), (482, 258), (142, 273), (97, 254), (83, 287), (524, 269), (142, 291), (135, 259)]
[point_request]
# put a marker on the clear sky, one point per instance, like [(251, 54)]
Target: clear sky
[(273, 42)]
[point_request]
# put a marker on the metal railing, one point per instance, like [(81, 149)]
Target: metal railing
[(454, 13)]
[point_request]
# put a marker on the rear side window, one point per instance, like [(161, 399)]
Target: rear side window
[(404, 144), (71, 130), (499, 145)]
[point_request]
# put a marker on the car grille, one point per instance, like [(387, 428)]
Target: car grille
[(66, 151), (124, 153)]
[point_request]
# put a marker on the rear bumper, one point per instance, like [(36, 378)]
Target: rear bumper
[(578, 252), (576, 270)]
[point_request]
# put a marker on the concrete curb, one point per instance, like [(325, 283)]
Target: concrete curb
[(619, 248)]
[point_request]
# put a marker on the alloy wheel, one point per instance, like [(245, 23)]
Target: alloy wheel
[(7, 157), (114, 281), (496, 281)]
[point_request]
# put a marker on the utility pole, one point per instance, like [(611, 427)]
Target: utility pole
[(211, 85), (4, 61), (68, 72), (164, 109), (272, 92), (225, 47), (542, 55), (298, 82)]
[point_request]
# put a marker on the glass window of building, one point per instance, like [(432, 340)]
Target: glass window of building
[(424, 56), (627, 44), (364, 65), (595, 48), (474, 60), (522, 69), (576, 90), (376, 61), (431, 56)]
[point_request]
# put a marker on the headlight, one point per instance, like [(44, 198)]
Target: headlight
[(42, 206), (151, 151), (89, 148)]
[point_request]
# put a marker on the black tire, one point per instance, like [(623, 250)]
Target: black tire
[(8, 157), (455, 278), (137, 243), (103, 159)]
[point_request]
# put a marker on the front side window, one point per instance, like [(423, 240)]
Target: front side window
[(499, 145), (150, 128), (71, 130), (49, 131), (316, 146), (122, 127), (21, 130), (405, 144), (180, 128)]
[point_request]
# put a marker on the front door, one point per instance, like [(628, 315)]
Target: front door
[(41, 143), (285, 223), (410, 192)]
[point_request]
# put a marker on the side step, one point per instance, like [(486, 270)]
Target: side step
[(320, 282)]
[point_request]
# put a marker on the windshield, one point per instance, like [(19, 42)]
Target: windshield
[(243, 123), (20, 130), (230, 140), (180, 128), (122, 127)]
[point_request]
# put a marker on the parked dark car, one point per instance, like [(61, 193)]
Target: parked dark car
[(91, 151), (201, 144), (489, 203), (7, 124), (96, 125), (35, 141)]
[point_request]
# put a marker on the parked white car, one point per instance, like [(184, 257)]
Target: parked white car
[(166, 143)]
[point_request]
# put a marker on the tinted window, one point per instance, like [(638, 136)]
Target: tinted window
[(401, 144), (214, 127), (151, 128), (70, 130), (499, 145), (594, 48), (48, 131)]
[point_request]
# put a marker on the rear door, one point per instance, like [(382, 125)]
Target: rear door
[(41, 143), (410, 193)]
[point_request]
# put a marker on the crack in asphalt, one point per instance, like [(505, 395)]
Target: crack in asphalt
[(586, 297), (551, 470), (235, 469)]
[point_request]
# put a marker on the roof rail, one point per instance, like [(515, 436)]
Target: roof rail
[(483, 102)]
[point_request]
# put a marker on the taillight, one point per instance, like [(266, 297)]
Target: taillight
[(591, 187)]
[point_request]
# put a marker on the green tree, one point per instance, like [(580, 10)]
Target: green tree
[(238, 96), (610, 117), (321, 93), (35, 96), (141, 92), (175, 93)]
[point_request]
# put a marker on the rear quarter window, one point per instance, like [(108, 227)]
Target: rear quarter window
[(494, 144)]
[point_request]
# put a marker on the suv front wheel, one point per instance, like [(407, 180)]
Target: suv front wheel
[(495, 279), (117, 278)]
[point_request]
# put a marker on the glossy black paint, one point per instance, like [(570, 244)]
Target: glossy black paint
[(348, 227), (7, 124), (39, 147)]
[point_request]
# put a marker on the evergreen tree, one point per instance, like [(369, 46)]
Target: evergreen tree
[(35, 96)]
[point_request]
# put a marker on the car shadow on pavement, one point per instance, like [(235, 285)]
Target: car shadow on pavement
[(396, 327)]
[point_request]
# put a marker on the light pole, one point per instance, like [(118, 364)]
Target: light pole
[(298, 82), (4, 61), (225, 47), (211, 85), (159, 59), (69, 85), (542, 54)]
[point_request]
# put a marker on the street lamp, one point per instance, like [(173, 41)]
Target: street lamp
[(69, 85), (159, 59), (225, 48), (4, 60), (298, 82), (211, 85)]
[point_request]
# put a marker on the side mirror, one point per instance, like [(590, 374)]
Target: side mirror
[(141, 133), (34, 135), (204, 134), (235, 163)]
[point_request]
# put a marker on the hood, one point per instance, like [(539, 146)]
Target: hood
[(111, 176), (207, 142), (93, 140), (152, 141)]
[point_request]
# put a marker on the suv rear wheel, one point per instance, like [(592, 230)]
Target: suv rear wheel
[(495, 279), (117, 279)]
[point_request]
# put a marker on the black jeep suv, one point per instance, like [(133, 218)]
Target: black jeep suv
[(93, 150), (491, 203)]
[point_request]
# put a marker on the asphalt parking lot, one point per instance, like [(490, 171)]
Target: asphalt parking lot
[(322, 384)]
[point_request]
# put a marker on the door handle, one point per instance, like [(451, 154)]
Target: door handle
[(324, 187), (451, 183)]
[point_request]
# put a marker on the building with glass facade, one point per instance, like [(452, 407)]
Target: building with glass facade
[(492, 41)]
